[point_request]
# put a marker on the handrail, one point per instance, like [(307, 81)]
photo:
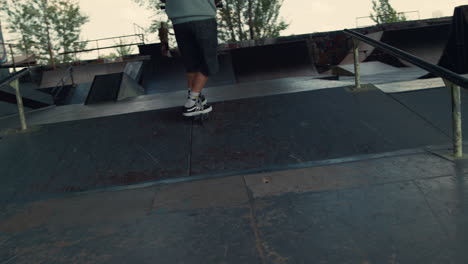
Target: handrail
[(63, 80), (125, 36), (432, 68), (14, 76), (13, 81), (452, 80), (67, 71)]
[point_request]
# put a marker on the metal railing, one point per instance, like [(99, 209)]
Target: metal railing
[(68, 75), (13, 81), (121, 44), (452, 80)]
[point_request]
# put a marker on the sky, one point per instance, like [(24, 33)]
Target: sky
[(110, 18), (116, 17)]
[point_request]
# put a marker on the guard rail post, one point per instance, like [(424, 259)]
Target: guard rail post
[(456, 119), (19, 102), (357, 66)]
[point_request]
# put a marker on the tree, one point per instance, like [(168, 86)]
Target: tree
[(67, 24), (20, 19), (109, 56), (159, 14), (122, 49), (385, 13), (238, 19), (250, 19), (45, 27)]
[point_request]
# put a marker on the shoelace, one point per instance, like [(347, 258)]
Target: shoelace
[(199, 104)]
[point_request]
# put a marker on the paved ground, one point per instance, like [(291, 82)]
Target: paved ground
[(251, 134), (400, 209), (283, 172)]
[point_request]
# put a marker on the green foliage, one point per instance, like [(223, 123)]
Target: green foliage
[(67, 25), (45, 28), (123, 50), (384, 13), (250, 19), (20, 21), (109, 56)]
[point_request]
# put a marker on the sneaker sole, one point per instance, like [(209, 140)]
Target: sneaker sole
[(206, 111)]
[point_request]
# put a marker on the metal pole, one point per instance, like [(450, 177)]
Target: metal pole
[(19, 102), (456, 119), (97, 45), (71, 76), (12, 57), (357, 67)]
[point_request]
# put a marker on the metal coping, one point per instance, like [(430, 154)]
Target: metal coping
[(432, 68), (13, 77)]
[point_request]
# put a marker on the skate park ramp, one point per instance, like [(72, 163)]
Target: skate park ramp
[(81, 73), (32, 98), (273, 61), (239, 65), (243, 134), (367, 68), (413, 85), (7, 109), (113, 87), (455, 57), (365, 50), (427, 43), (289, 170), (158, 101), (163, 74)]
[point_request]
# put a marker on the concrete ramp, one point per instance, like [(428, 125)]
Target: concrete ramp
[(7, 109), (365, 50), (455, 56), (113, 87), (81, 73), (162, 74), (367, 68), (414, 85), (273, 61), (32, 98), (427, 43)]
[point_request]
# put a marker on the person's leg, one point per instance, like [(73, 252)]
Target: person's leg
[(199, 82), (207, 38), (191, 79), (191, 57), (190, 38)]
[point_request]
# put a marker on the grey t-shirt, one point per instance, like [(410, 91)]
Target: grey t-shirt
[(181, 11)]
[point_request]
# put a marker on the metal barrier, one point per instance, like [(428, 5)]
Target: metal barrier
[(140, 37), (68, 75), (452, 80), (13, 81)]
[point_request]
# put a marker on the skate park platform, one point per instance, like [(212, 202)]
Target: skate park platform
[(333, 174), (287, 170)]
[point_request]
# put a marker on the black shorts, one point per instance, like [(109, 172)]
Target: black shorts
[(198, 43)]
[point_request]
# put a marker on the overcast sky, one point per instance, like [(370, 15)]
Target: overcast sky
[(116, 17), (109, 18)]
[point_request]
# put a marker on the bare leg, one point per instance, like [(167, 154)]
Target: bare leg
[(199, 82), (191, 79)]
